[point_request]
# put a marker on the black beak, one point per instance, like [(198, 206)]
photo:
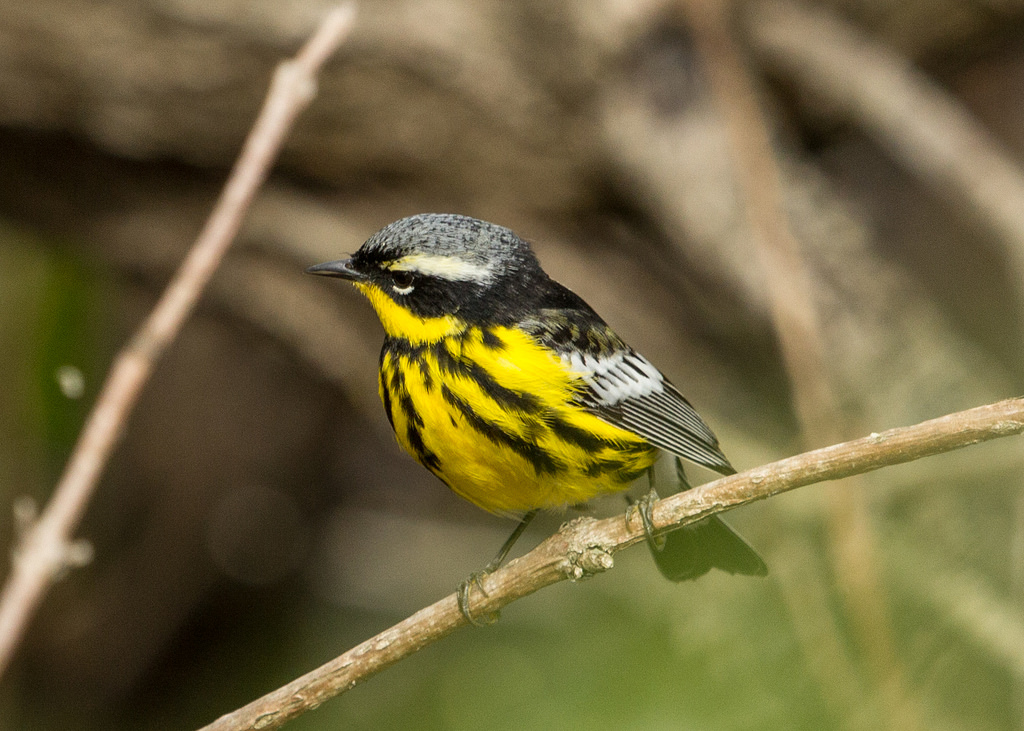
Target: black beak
[(341, 269)]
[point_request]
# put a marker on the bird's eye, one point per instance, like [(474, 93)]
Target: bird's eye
[(402, 281)]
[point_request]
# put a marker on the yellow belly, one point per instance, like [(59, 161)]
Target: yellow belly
[(495, 418)]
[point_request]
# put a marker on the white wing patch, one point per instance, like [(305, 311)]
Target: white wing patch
[(618, 377)]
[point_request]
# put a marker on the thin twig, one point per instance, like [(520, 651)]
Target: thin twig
[(792, 303), (586, 546), (44, 548), (919, 123), (786, 277)]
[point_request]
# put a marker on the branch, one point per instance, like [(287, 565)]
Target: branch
[(45, 548), (586, 546), (788, 281), (791, 297), (919, 123)]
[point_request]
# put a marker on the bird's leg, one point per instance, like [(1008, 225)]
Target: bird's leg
[(681, 476), (645, 507), (475, 579)]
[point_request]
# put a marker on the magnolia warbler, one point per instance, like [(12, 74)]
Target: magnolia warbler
[(515, 393)]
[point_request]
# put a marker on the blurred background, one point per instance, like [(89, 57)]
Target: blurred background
[(259, 519)]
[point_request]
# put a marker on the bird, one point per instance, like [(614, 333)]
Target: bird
[(513, 391)]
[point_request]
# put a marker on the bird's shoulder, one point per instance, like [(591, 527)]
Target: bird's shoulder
[(572, 330)]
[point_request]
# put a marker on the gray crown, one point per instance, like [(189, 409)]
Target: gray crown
[(484, 244)]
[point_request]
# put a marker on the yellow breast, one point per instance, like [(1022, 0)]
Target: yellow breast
[(494, 415)]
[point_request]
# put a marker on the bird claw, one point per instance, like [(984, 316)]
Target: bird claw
[(645, 508), (462, 596)]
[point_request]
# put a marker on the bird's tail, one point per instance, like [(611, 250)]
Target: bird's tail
[(692, 551)]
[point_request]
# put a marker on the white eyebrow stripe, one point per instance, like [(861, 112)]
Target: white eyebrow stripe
[(444, 267)]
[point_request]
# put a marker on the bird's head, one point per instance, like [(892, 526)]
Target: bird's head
[(433, 273)]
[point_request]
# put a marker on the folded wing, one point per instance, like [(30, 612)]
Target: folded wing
[(626, 390)]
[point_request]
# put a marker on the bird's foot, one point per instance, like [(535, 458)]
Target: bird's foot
[(463, 591), (644, 507)]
